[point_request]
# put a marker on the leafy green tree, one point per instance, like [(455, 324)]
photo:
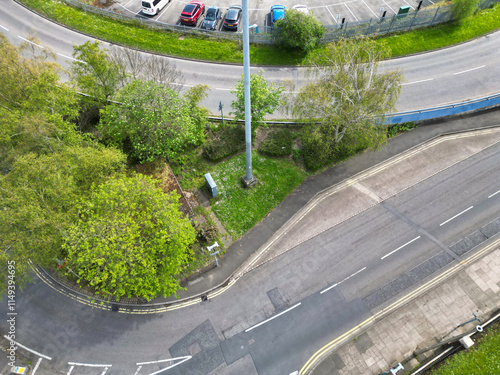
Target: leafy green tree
[(265, 98), (299, 31), (130, 239), (463, 9), (95, 73), (38, 198), (347, 96), (154, 121)]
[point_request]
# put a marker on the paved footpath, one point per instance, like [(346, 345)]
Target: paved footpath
[(420, 319)]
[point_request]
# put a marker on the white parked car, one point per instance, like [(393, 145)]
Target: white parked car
[(301, 8)]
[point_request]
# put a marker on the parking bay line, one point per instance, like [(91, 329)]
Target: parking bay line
[(356, 18), (399, 248), (340, 282), (273, 317), (457, 215)]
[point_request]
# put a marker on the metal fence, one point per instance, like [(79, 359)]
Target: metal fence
[(373, 27)]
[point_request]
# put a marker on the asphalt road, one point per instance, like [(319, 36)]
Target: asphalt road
[(324, 286), (446, 76)]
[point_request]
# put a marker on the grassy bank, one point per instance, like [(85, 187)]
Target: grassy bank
[(202, 48)]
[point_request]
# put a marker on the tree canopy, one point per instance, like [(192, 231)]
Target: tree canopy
[(265, 98), (347, 96), (130, 239), (299, 31), (463, 9), (153, 121)]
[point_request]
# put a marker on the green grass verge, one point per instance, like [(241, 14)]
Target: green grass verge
[(202, 48), (240, 209), (482, 359)]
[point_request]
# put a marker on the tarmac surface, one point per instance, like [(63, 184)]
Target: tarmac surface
[(416, 317)]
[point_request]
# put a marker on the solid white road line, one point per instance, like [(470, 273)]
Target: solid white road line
[(457, 215), (340, 282), (36, 366), (492, 195), (423, 80), (273, 317), (28, 349), (399, 248), (29, 41), (469, 70), (185, 358), (4, 28), (87, 364)]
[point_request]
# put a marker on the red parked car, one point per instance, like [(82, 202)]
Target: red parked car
[(192, 12)]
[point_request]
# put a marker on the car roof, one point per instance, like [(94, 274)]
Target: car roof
[(276, 7), (212, 7), (234, 7)]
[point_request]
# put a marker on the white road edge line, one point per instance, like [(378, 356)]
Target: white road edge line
[(273, 317), (457, 215), (399, 248), (470, 70), (3, 27), (29, 41), (492, 195), (340, 282), (28, 349), (423, 80)]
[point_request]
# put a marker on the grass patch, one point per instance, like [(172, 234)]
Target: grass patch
[(133, 34), (240, 209), (483, 358)]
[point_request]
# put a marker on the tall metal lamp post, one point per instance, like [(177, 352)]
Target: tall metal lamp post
[(248, 179)]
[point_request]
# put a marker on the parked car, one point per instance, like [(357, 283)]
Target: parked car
[(211, 20), (192, 12), (277, 13), (301, 8), (233, 17)]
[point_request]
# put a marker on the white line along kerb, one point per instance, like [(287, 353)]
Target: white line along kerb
[(457, 215), (399, 248), (273, 317)]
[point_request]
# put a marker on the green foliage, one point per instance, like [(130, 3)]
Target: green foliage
[(130, 239), (279, 142), (346, 96), (265, 98), (226, 142), (95, 74), (239, 209), (299, 31), (153, 121), (463, 9), (483, 358), (394, 130)]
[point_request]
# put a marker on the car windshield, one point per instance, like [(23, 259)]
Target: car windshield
[(146, 4), (188, 8), (210, 15)]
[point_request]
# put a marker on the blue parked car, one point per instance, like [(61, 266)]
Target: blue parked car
[(277, 13)]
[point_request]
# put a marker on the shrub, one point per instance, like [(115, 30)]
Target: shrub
[(279, 142), (299, 31), (227, 142)]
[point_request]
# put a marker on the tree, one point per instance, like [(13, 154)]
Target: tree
[(298, 30), (154, 121), (130, 239), (38, 198), (347, 96), (265, 98), (463, 9), (95, 73)]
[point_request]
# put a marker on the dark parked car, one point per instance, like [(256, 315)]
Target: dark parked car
[(192, 12), (277, 13), (214, 14), (233, 17)]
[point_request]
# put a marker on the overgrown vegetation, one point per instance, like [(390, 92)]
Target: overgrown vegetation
[(279, 142), (225, 142)]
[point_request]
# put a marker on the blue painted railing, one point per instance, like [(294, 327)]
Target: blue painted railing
[(443, 111)]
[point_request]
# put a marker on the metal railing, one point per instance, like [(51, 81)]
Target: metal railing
[(374, 27)]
